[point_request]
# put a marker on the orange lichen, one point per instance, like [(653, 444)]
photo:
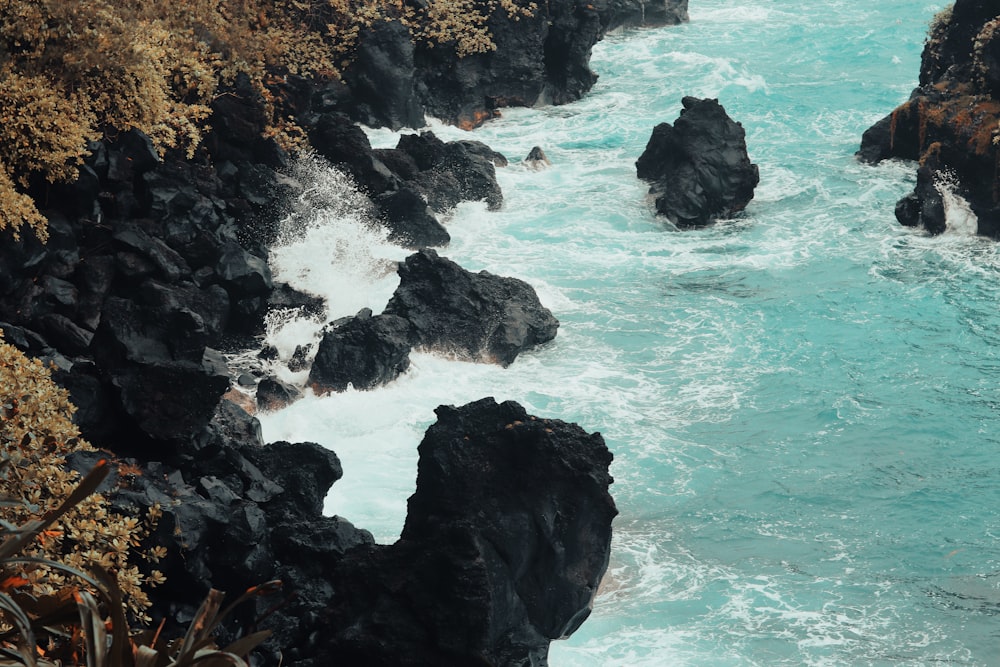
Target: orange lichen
[(477, 119)]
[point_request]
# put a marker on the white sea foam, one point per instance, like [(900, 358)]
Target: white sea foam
[(959, 217), (331, 246)]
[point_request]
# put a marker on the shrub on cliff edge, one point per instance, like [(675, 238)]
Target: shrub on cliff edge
[(73, 71)]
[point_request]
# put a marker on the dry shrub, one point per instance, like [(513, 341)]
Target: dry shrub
[(36, 435), (73, 70)]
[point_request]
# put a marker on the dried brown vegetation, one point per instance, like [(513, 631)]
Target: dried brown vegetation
[(36, 435), (72, 71)]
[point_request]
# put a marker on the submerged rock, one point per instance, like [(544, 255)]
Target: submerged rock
[(479, 316), (537, 159), (506, 539), (698, 168)]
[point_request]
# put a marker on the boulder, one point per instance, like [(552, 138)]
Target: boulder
[(410, 221), (273, 394), (335, 137), (924, 207), (698, 168), (453, 172), (304, 470), (169, 382), (478, 316), (537, 159), (364, 351), (506, 539)]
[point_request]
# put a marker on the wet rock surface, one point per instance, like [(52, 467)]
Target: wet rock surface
[(478, 316), (698, 168), (506, 539), (157, 264), (364, 351), (542, 56), (950, 122)]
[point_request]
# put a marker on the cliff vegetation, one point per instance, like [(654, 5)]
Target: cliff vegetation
[(36, 436), (73, 72)]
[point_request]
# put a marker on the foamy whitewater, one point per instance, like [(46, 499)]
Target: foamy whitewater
[(803, 403)]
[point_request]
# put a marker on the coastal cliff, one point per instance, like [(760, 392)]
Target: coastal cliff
[(950, 123)]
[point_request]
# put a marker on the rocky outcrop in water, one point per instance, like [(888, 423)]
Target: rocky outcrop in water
[(438, 306), (506, 540), (411, 183), (478, 316), (698, 168), (364, 351), (950, 122)]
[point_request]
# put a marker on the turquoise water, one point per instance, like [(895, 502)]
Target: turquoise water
[(802, 402)]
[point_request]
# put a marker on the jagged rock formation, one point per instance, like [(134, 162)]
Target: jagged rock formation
[(506, 540), (539, 58), (698, 168), (364, 351), (440, 306), (411, 182), (478, 316), (236, 512), (155, 263), (950, 122)]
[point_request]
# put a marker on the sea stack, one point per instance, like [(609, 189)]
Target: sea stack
[(698, 168)]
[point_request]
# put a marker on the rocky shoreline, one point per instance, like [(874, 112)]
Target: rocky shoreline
[(155, 266), (951, 123)]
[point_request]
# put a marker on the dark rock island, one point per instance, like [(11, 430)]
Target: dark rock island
[(698, 168)]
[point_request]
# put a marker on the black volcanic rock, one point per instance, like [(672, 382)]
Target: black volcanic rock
[(335, 137), (409, 183), (453, 172), (478, 316), (273, 394), (382, 78), (409, 220), (540, 56), (506, 540), (698, 168), (537, 159), (949, 123), (924, 207), (156, 262), (364, 351)]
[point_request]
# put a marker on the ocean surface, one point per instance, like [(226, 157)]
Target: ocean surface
[(803, 402)]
